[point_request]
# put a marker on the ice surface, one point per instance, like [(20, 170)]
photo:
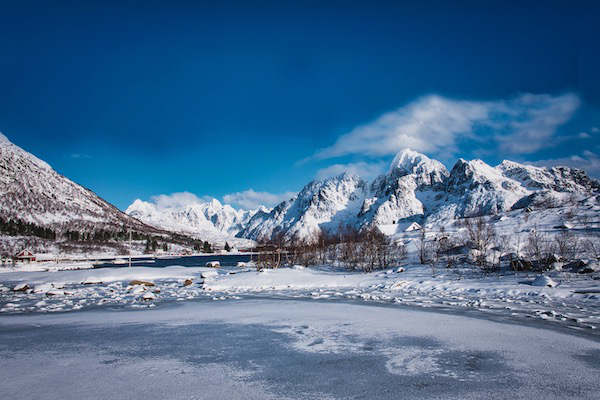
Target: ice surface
[(289, 349)]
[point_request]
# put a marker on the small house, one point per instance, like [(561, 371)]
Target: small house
[(413, 227), (25, 255)]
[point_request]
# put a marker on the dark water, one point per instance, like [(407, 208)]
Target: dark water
[(226, 260)]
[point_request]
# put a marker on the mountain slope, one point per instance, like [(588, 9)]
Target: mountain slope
[(322, 204), (32, 191)]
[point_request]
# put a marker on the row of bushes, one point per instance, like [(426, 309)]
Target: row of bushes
[(365, 250)]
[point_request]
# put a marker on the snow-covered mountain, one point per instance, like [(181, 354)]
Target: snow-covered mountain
[(32, 191), (417, 188), (198, 217), (414, 189), (322, 204)]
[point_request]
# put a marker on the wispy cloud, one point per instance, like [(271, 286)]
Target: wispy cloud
[(251, 199), (587, 161), (435, 125), (365, 170), (80, 156), (248, 199), (584, 135), (528, 122), (178, 200)]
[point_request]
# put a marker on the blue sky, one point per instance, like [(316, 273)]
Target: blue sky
[(139, 99)]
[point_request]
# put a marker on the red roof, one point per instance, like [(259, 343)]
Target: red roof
[(25, 254)]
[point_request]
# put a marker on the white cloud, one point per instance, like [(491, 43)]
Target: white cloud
[(178, 200), (80, 156), (595, 129), (435, 125), (584, 135), (365, 170), (587, 161), (250, 199), (531, 120), (429, 124)]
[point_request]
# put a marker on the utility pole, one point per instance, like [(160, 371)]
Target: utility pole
[(130, 248)]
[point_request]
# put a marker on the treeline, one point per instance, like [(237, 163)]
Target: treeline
[(17, 227), (366, 250), (104, 235), (203, 247)]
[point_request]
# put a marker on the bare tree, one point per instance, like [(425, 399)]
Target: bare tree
[(591, 247), (539, 249), (566, 244), (481, 236), (423, 250)]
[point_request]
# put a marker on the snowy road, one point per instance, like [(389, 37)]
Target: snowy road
[(258, 349)]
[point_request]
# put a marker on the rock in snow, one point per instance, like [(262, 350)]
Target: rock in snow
[(543, 280), (148, 296), (139, 282), (21, 287)]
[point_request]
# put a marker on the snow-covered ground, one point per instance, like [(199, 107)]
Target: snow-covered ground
[(269, 349), (572, 300), (49, 266)]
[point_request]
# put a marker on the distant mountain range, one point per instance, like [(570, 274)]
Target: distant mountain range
[(415, 189), (208, 219)]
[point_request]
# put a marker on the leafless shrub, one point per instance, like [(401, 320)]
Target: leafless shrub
[(481, 236), (566, 245), (365, 250), (539, 249), (585, 221), (423, 246), (591, 247)]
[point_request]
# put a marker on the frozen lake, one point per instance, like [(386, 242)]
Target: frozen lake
[(257, 349)]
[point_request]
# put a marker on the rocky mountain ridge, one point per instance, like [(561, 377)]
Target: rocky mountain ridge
[(417, 188)]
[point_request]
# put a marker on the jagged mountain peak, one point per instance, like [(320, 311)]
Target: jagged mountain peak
[(215, 203), (424, 170), (476, 170), (408, 161)]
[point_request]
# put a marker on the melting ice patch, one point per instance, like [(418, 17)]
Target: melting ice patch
[(413, 361)]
